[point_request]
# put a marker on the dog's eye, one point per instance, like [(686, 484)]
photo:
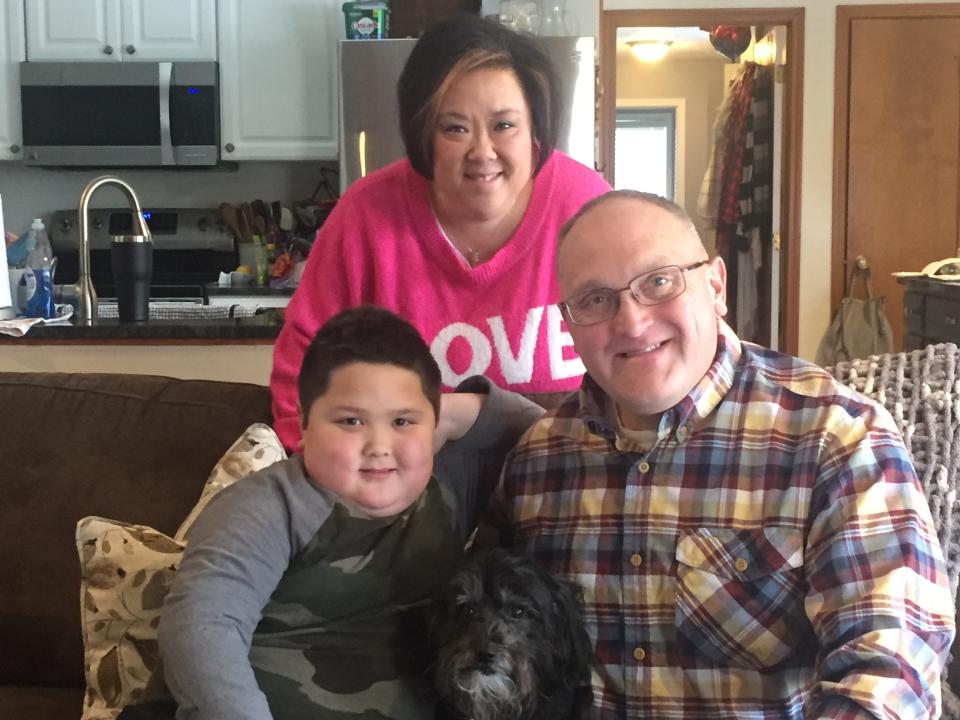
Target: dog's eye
[(467, 610), (517, 612)]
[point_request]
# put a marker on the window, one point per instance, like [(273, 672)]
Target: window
[(645, 150)]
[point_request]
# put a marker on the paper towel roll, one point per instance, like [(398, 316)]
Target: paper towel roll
[(6, 311)]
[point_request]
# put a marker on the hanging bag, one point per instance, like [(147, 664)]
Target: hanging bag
[(859, 328)]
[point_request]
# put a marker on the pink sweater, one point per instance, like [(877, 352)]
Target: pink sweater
[(382, 245)]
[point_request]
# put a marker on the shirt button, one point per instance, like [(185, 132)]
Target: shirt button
[(636, 560), (639, 654), (682, 432), (644, 466), (740, 564)]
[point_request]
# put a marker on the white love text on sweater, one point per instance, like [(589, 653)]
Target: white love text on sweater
[(461, 343)]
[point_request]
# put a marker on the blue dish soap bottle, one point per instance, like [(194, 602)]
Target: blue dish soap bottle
[(39, 276)]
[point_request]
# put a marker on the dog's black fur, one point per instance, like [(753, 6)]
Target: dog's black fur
[(510, 643)]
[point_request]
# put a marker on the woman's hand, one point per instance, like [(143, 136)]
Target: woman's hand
[(458, 412)]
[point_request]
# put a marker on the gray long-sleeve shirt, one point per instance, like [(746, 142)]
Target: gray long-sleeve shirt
[(286, 606)]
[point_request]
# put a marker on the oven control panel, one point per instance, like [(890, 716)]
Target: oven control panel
[(173, 229)]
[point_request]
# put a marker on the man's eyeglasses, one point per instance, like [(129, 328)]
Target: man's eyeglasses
[(654, 287)]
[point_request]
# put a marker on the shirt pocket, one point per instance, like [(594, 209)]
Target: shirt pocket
[(740, 596)]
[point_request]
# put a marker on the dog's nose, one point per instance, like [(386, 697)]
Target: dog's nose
[(485, 662), (484, 657)]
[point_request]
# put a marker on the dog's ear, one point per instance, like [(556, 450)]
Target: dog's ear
[(572, 639)]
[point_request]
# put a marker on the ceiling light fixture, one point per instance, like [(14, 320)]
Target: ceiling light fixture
[(649, 50)]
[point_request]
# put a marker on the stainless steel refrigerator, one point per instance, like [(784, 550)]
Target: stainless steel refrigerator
[(369, 128)]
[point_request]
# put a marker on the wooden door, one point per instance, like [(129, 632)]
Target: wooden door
[(897, 144)]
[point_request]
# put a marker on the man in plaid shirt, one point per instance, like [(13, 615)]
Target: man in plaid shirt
[(750, 535)]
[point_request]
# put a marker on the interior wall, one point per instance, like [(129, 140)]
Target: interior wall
[(700, 83), (816, 190)]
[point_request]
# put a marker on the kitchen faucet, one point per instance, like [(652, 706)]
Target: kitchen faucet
[(85, 292)]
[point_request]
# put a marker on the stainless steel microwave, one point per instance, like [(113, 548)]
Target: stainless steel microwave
[(130, 114)]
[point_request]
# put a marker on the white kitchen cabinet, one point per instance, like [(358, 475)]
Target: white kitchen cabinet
[(12, 52), (121, 30), (278, 79)]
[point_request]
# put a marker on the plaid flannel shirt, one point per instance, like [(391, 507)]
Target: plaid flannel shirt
[(771, 556)]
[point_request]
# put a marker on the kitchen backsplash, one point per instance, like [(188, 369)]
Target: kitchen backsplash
[(30, 192)]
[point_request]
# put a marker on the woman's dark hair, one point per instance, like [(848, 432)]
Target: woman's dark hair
[(366, 334), (463, 43)]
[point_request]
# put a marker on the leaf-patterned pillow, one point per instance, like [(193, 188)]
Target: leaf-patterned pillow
[(256, 449), (125, 573)]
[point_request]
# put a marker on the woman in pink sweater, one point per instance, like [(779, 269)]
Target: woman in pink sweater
[(459, 237)]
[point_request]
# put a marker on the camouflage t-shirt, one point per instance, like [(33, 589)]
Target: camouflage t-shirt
[(357, 648)]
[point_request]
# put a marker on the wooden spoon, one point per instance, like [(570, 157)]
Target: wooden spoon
[(231, 218), (246, 222)]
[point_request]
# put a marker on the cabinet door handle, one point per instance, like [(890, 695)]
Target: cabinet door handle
[(950, 320), (229, 147), (131, 49), (14, 149), (108, 50)]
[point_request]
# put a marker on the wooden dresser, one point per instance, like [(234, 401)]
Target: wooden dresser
[(931, 312)]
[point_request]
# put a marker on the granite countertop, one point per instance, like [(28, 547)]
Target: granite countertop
[(260, 328)]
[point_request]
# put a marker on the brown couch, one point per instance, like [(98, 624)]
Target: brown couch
[(130, 447), (139, 448)]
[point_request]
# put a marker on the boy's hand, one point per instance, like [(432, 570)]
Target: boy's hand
[(458, 412)]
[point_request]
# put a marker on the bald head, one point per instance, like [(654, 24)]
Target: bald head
[(644, 216), (650, 199)]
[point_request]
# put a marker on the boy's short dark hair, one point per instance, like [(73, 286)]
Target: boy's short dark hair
[(367, 334), (453, 47)]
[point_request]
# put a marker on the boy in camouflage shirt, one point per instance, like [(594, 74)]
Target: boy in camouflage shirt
[(301, 591)]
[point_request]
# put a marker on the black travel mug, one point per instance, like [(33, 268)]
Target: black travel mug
[(132, 260)]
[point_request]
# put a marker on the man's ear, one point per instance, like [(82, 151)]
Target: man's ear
[(717, 280)]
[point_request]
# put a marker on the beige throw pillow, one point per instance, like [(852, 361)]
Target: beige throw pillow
[(257, 448), (125, 573)]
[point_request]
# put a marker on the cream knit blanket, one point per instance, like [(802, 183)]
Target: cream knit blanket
[(921, 391)]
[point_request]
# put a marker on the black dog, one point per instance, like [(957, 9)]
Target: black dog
[(510, 643)]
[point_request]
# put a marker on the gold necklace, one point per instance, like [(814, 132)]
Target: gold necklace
[(469, 254)]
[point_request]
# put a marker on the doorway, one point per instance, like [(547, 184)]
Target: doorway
[(896, 192), (777, 302)]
